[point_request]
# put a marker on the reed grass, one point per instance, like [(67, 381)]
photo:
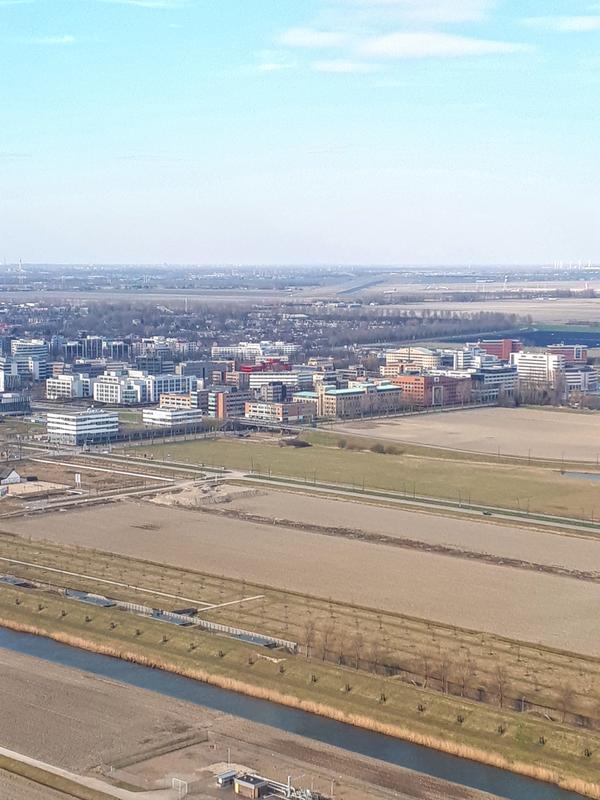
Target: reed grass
[(563, 779)]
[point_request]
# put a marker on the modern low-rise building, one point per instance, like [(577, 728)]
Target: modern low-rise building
[(227, 402), (358, 400), (82, 427), (540, 369), (295, 412), (434, 390), (68, 387), (14, 404), (171, 417), (422, 358)]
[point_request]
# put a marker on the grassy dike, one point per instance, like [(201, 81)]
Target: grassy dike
[(463, 728)]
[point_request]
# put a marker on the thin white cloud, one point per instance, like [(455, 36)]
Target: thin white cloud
[(274, 61), (585, 23), (156, 4), (312, 38), (341, 66), (51, 41), (434, 45), (424, 11)]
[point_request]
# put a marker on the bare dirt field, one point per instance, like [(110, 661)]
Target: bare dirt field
[(561, 310), (528, 432), (525, 605), (13, 787), (503, 540), (74, 719)]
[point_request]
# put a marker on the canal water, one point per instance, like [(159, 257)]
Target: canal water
[(394, 751)]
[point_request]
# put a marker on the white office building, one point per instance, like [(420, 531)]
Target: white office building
[(82, 427), (68, 387), (542, 369), (136, 387), (171, 417), (422, 358)]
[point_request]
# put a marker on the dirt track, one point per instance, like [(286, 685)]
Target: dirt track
[(523, 605)]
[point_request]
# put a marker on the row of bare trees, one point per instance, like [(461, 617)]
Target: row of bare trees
[(442, 671)]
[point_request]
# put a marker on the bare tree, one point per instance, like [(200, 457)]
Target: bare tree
[(445, 665), (309, 635), (501, 684), (564, 699), (465, 672), (326, 638), (425, 666), (358, 643)]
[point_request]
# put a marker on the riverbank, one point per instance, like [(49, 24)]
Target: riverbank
[(100, 717), (520, 743)]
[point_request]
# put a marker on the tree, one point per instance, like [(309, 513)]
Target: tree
[(501, 684), (326, 638), (564, 699), (445, 664), (309, 635), (465, 672), (358, 643)]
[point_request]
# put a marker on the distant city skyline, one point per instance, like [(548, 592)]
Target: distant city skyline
[(277, 132)]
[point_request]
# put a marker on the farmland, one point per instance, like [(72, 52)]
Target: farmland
[(491, 731), (535, 607), (532, 433)]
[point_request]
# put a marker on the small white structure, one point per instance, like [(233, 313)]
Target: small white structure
[(9, 476)]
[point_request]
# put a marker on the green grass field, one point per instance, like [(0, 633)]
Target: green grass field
[(471, 480)]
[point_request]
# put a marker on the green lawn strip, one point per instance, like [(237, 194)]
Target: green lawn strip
[(358, 442), (541, 491), (57, 782), (455, 724)]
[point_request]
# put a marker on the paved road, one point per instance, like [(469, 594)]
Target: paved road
[(91, 783)]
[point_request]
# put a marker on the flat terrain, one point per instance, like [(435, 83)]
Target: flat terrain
[(75, 719), (465, 477), (527, 432), (503, 540), (561, 310), (556, 611), (13, 787)]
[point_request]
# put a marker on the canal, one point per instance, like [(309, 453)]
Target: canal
[(356, 740)]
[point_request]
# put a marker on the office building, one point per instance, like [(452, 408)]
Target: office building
[(82, 427)]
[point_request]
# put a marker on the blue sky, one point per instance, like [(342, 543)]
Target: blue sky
[(300, 131)]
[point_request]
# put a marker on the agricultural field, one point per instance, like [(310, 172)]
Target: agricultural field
[(437, 717), (521, 604), (116, 723), (468, 479), (531, 433)]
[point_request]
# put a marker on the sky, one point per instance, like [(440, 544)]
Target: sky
[(300, 131)]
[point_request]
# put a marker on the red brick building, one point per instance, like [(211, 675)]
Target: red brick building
[(433, 390), (501, 348), (572, 353)]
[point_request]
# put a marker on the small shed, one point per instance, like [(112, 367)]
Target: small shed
[(226, 778), (9, 475), (250, 786)]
